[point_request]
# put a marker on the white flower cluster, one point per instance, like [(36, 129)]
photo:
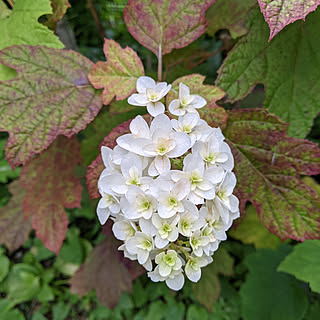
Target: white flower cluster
[(168, 187)]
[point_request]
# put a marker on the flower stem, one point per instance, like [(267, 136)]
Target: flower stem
[(160, 63)]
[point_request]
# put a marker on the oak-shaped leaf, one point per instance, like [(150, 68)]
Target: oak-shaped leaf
[(212, 113), (22, 27), (96, 167), (288, 66), (59, 9), (303, 262), (268, 165), (229, 14), (51, 96), (14, 228), (118, 76), (268, 294), (207, 290), (279, 14), (106, 271), (164, 25), (52, 186)]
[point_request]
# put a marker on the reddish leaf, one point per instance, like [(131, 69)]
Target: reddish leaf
[(118, 76), (59, 9), (217, 116), (14, 229), (51, 96), (279, 14), (268, 165), (106, 271), (96, 167), (166, 24), (52, 186)]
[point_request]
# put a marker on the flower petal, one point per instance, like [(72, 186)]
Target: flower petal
[(145, 82)]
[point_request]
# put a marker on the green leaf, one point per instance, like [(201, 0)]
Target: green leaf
[(22, 283), (118, 76), (4, 10), (207, 290), (54, 170), (7, 311), (197, 313), (4, 266), (268, 165), (278, 14), (51, 96), (268, 294), (288, 67), (45, 294), (60, 311), (59, 9), (22, 27), (38, 316), (229, 14), (304, 263), (14, 229), (166, 24), (313, 311), (250, 230), (6, 172), (106, 271), (211, 112)]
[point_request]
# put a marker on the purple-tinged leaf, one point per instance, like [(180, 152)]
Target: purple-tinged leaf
[(279, 14), (106, 271), (166, 24), (51, 96), (268, 165), (118, 76), (14, 228), (52, 186)]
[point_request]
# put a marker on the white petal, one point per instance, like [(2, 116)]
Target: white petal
[(193, 275), (160, 122), (159, 242), (184, 91), (148, 265), (139, 127), (139, 100), (145, 82), (119, 230), (176, 283), (152, 171), (162, 164), (198, 102), (155, 108), (164, 269), (106, 154), (183, 143), (143, 256), (131, 245), (181, 189), (214, 174), (103, 214), (147, 227), (164, 212), (174, 108)]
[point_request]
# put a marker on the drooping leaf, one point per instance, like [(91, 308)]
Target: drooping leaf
[(164, 24), (279, 14), (52, 186), (107, 119), (106, 271), (59, 9), (96, 167), (22, 27), (216, 115), (50, 97), (207, 290), (118, 76), (14, 229), (268, 164), (304, 263), (250, 230), (229, 14), (268, 294), (288, 66)]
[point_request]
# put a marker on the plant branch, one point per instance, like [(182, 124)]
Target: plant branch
[(94, 12), (159, 63), (11, 3)]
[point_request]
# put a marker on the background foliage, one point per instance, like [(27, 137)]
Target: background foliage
[(256, 63)]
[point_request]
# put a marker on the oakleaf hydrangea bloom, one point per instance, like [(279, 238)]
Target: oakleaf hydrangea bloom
[(168, 186)]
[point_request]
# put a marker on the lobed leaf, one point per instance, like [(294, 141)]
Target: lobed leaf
[(279, 14), (118, 76), (207, 290), (106, 271), (268, 294), (212, 113), (229, 14), (268, 165), (303, 262), (166, 25), (51, 96), (14, 228), (22, 27), (52, 186), (288, 66)]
